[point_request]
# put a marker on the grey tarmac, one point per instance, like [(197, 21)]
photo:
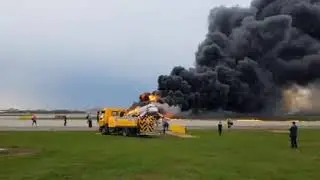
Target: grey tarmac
[(81, 125)]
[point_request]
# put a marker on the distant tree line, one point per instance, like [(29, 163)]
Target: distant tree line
[(11, 112)]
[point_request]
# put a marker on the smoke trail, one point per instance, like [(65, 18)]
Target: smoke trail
[(248, 56)]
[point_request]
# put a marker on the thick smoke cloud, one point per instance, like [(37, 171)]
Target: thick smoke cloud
[(248, 56)]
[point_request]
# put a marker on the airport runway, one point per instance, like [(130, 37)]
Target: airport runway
[(81, 125)]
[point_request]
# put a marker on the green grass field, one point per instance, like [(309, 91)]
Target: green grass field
[(236, 155)]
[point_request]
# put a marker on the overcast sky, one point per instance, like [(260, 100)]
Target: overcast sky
[(88, 53)]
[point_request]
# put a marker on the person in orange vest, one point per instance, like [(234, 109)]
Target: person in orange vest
[(34, 120)]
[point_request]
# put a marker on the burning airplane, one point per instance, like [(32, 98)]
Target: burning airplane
[(151, 102)]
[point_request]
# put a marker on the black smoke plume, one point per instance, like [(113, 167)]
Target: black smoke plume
[(248, 56)]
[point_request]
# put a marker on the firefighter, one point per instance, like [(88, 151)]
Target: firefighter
[(220, 128), (293, 133)]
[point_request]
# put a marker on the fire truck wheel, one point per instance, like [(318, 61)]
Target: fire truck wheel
[(125, 132), (137, 132), (105, 130), (134, 132)]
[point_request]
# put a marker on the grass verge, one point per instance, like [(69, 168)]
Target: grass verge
[(238, 154)]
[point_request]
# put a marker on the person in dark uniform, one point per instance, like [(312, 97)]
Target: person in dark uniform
[(293, 135), (220, 128), (98, 115), (89, 121), (65, 120), (165, 126)]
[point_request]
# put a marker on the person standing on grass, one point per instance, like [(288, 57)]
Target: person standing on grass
[(34, 120), (293, 135), (65, 120), (220, 128)]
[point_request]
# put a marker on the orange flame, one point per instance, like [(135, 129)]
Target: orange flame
[(134, 111), (146, 98), (168, 115), (154, 98), (149, 97)]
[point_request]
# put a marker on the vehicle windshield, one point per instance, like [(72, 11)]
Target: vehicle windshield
[(115, 113), (101, 115)]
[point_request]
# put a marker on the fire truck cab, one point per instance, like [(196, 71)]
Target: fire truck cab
[(107, 116)]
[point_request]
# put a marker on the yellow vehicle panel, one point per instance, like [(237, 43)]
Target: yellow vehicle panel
[(111, 122), (126, 122), (101, 122), (25, 117), (107, 116), (179, 129)]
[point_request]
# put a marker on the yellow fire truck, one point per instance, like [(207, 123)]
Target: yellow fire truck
[(115, 121)]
